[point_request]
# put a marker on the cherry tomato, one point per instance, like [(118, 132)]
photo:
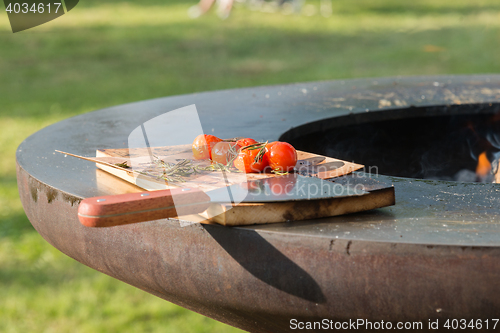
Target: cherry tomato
[(202, 146), (246, 142), (223, 152), (270, 144), (245, 161), (281, 155)]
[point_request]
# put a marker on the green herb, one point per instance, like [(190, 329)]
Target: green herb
[(258, 145), (171, 172), (216, 167), (177, 172), (232, 153), (123, 165)]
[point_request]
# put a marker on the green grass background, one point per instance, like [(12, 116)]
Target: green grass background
[(104, 53)]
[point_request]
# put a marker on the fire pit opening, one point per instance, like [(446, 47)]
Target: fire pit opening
[(454, 143)]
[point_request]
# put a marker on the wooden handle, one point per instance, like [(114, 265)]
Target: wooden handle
[(113, 210)]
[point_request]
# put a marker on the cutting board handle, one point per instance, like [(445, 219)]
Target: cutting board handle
[(113, 210)]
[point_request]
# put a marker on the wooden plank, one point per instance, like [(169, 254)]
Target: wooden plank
[(274, 212)]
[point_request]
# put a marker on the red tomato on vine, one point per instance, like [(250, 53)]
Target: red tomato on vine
[(245, 142), (282, 156), (202, 146), (224, 152), (246, 161)]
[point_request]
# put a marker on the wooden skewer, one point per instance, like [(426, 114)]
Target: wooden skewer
[(100, 162)]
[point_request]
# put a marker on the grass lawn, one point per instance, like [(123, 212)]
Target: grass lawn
[(104, 53)]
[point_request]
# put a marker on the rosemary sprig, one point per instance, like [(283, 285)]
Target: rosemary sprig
[(123, 165), (258, 145), (216, 167), (177, 172), (279, 172), (253, 146), (171, 172), (232, 153), (170, 179)]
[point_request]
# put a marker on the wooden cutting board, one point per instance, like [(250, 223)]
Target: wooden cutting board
[(380, 195), (208, 180)]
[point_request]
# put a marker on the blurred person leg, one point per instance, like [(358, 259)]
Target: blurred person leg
[(224, 8), (297, 6), (325, 8), (201, 8)]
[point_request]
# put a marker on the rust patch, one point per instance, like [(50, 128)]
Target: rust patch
[(472, 248), (35, 187), (71, 199), (34, 192), (51, 194), (348, 247)]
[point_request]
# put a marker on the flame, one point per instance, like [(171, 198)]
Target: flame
[(483, 165)]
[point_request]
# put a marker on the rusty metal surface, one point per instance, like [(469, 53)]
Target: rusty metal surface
[(433, 255)]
